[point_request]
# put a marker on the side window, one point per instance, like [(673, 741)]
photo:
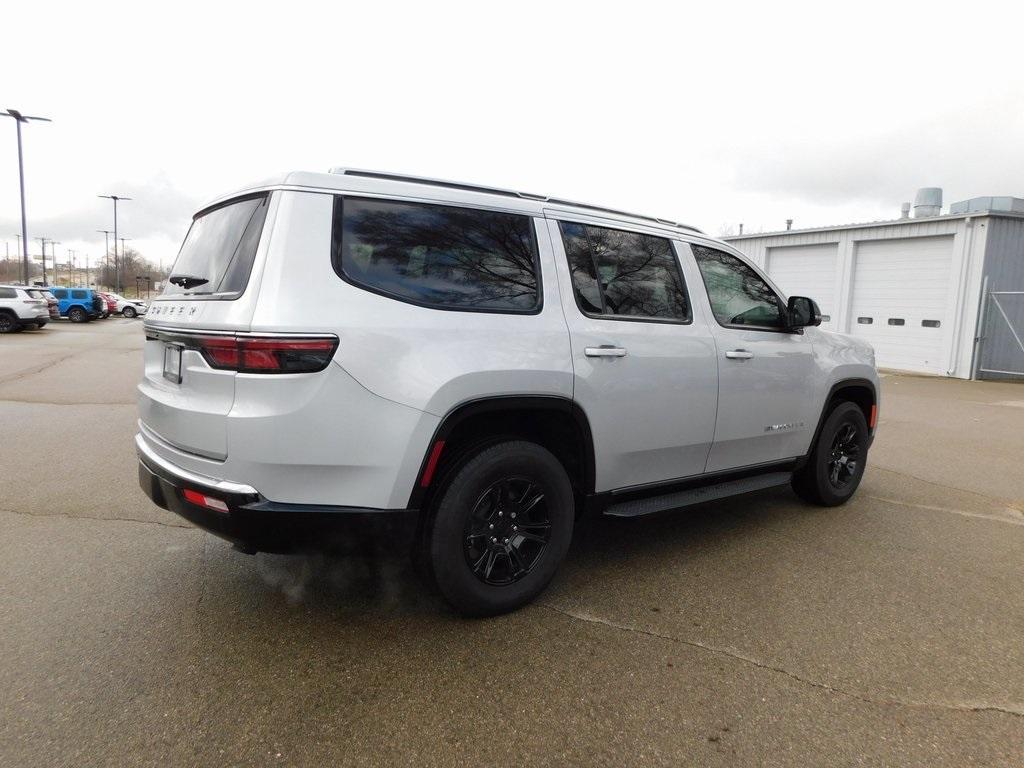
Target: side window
[(624, 274), (60, 293), (738, 294), (438, 255), (8, 293), (78, 294)]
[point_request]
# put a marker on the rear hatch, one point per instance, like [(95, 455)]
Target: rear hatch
[(183, 399)]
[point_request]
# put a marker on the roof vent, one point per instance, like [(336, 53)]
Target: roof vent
[(927, 202)]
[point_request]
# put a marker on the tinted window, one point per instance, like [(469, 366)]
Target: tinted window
[(441, 256), (624, 273), (8, 293), (739, 296), (60, 293), (78, 294), (219, 249)]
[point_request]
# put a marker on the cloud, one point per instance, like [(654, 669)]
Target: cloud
[(157, 211), (970, 151)]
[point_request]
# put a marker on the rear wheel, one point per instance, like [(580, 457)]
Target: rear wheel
[(502, 527), (8, 323), (77, 315), (129, 312), (836, 464), (40, 326)]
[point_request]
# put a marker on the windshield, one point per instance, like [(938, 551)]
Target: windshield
[(219, 249)]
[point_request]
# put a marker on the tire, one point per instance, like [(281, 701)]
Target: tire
[(836, 464), (77, 315), (8, 323), (40, 326), (129, 312), (519, 489)]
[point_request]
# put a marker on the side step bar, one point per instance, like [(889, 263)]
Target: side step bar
[(652, 504)]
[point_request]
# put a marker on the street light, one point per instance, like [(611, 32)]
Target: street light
[(19, 119), (117, 274), (106, 250)]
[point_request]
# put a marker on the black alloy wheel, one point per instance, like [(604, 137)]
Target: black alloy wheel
[(507, 531), (835, 465)]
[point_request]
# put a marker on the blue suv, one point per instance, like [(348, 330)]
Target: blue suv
[(77, 304)]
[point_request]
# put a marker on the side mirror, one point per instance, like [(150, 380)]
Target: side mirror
[(803, 312)]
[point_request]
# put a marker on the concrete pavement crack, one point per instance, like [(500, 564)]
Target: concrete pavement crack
[(94, 517), (1014, 710)]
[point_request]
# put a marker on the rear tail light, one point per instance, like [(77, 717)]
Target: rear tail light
[(266, 354)]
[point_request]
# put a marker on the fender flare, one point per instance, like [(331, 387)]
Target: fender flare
[(499, 403)]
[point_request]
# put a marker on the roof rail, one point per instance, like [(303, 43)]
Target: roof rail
[(506, 192)]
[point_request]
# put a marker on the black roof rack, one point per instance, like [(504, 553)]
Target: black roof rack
[(507, 193)]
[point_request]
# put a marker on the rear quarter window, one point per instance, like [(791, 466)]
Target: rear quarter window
[(8, 293), (439, 256)]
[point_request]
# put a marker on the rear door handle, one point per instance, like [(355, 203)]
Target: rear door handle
[(605, 350), (739, 354)]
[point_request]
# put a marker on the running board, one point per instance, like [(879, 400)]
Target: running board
[(652, 504)]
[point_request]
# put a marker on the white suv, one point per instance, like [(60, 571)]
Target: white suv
[(22, 307), (490, 364)]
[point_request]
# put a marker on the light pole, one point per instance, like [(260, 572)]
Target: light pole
[(53, 251), (117, 274), (123, 265), (19, 119), (71, 265), (42, 244), (106, 250)]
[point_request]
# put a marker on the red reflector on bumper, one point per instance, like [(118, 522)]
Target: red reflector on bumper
[(202, 500), (874, 416)]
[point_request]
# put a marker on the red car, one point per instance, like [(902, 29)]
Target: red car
[(110, 303)]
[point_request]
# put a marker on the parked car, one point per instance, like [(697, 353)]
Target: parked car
[(20, 309), (130, 307), (79, 305), (488, 363), (51, 301), (110, 303)]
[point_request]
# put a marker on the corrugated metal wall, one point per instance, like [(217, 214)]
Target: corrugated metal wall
[(1000, 355)]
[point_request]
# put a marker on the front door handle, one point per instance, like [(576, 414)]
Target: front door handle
[(739, 354), (605, 350)]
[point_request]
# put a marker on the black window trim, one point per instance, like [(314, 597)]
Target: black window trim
[(336, 258), (227, 295), (600, 290), (783, 307)]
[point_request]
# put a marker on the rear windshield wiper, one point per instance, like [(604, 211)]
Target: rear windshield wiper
[(187, 281)]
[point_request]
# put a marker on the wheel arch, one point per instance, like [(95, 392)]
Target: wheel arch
[(552, 421), (860, 391)]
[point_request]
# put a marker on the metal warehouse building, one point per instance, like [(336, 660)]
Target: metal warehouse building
[(934, 293)]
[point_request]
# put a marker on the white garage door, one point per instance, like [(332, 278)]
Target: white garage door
[(807, 270), (901, 302)]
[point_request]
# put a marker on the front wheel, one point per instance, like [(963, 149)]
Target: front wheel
[(502, 527), (836, 464), (129, 312)]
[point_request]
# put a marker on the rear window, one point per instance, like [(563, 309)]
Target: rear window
[(217, 255), (78, 294), (437, 255)]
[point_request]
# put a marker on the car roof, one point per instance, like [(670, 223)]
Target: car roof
[(360, 181)]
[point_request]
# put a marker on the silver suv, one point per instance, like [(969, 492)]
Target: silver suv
[(485, 364)]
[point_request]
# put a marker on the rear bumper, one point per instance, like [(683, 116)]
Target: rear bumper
[(256, 524)]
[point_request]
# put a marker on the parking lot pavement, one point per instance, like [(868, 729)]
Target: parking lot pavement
[(758, 631)]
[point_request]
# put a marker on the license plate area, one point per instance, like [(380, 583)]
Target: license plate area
[(172, 362)]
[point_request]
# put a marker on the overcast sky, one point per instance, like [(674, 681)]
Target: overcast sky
[(710, 113)]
